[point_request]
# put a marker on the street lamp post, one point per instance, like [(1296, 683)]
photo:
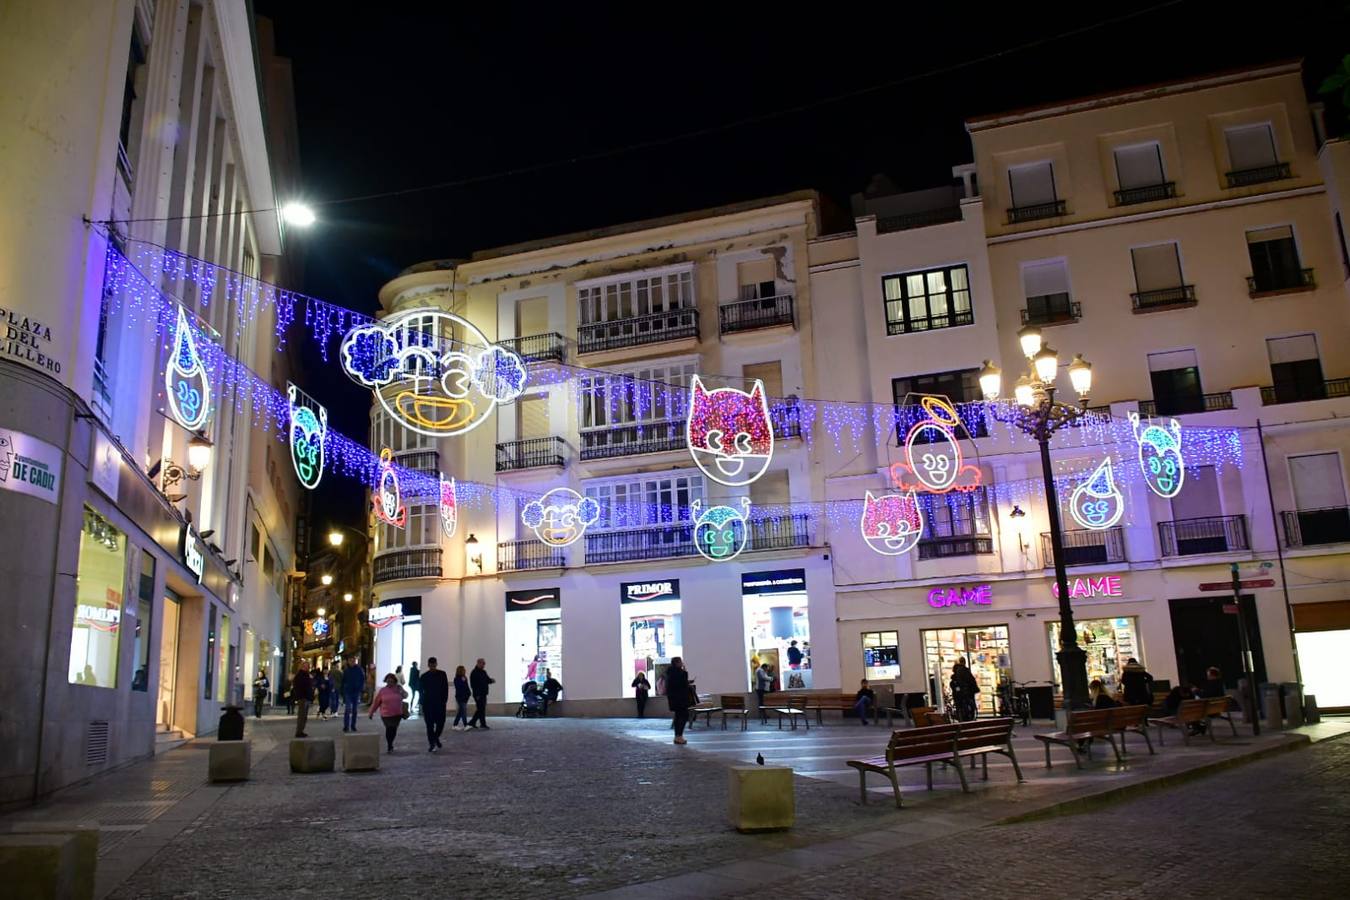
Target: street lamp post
[(1036, 413)]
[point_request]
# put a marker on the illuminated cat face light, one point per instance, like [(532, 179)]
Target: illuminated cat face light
[(892, 523), (307, 435), (729, 432), (933, 462), (449, 507), (387, 497), (720, 532), (185, 381), (1097, 503), (434, 372), (1160, 456), (561, 516)]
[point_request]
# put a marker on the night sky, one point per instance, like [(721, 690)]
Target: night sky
[(396, 99)]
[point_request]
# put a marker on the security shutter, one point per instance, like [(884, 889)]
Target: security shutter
[(1199, 497), (755, 278), (1043, 279), (1318, 482), (1032, 185), (1156, 268), (1250, 147), (1139, 166), (533, 417), (771, 373), (532, 316)]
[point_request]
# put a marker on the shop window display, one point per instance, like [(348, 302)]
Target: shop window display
[(533, 639), (99, 592), (985, 649), (652, 635), (777, 632), (1108, 643), (881, 655)]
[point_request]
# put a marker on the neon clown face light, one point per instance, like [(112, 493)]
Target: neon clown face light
[(729, 432), (307, 435), (892, 523), (1160, 456), (561, 516), (720, 532), (388, 499), (185, 381), (449, 507), (935, 466), (1096, 503), (432, 370)]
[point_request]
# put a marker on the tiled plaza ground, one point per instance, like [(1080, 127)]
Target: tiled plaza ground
[(560, 807)]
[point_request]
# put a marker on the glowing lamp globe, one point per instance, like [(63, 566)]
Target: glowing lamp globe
[(1030, 339), (1024, 393), (327, 580), (991, 380), (1080, 374), (1047, 365), (199, 453), (298, 214)]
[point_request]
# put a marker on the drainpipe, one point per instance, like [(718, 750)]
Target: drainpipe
[(1279, 554)]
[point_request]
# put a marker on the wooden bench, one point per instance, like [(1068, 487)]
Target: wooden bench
[(1132, 719), (1189, 713), (1081, 728), (704, 707), (794, 708), (734, 705), (944, 744), (924, 716), (1220, 708)]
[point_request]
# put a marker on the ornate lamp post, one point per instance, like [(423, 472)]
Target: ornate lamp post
[(1036, 413)]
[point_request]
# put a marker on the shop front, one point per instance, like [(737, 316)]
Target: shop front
[(986, 649), (1322, 632), (1109, 643), (777, 627), (533, 639), (397, 623), (651, 630)]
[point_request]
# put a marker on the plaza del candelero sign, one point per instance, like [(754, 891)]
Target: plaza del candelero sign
[(639, 591), (29, 466), (29, 341)]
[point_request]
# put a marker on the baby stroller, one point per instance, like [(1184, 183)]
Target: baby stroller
[(532, 704)]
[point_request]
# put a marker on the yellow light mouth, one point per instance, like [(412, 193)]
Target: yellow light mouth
[(437, 413)]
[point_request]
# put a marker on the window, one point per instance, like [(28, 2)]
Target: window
[(386, 432), (955, 524), (1176, 383), (755, 279), (1199, 496), (532, 417), (1250, 147), (255, 541), (1139, 166), (99, 590), (269, 562), (1157, 269), (922, 301), (1032, 185), (422, 529), (532, 316), (651, 394), (1342, 245), (642, 296), (1296, 368), (770, 489), (1046, 287), (144, 615), (646, 500), (1318, 481), (881, 654), (960, 386), (1275, 262)]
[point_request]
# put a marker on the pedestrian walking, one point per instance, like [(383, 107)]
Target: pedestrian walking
[(388, 703), (643, 687), (353, 680), (435, 696), (552, 688), (260, 686), (323, 686), (677, 696), (479, 680), (763, 682), (398, 673), (964, 688), (414, 685), (1137, 683), (302, 690), (461, 700)]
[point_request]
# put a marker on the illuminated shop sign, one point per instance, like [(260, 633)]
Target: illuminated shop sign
[(784, 581), (98, 618), (193, 557), (384, 616), (965, 595), (540, 598), (1083, 588), (639, 591)]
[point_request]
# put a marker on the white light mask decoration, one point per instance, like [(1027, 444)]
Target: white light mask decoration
[(307, 435), (449, 507), (561, 516), (720, 532), (936, 465), (729, 432), (387, 497), (434, 372), (892, 523), (185, 381), (1160, 456), (1097, 503)]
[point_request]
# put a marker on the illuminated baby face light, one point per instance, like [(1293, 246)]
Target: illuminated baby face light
[(933, 462), (1160, 456), (185, 381), (307, 434), (729, 432), (449, 507), (561, 516), (432, 370), (720, 532), (1096, 503), (388, 498), (892, 523)]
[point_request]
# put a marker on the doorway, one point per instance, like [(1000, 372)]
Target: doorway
[(986, 649), (168, 662), (1205, 633)]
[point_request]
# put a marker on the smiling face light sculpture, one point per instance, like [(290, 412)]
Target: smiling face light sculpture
[(933, 462), (721, 532), (185, 384), (387, 498), (1160, 456), (729, 432), (892, 523), (561, 516), (434, 372), (449, 507), (307, 434), (1097, 503)]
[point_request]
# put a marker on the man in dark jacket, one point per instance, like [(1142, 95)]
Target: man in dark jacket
[(302, 689), (677, 696), (552, 688), (964, 688), (1137, 683), (478, 684), (353, 682), (435, 697)]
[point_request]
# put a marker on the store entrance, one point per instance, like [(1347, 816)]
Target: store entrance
[(168, 663), (1205, 635), (652, 636), (533, 639), (1108, 644), (986, 651), (777, 632)]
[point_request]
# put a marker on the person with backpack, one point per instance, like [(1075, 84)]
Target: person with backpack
[(677, 696), (964, 688)]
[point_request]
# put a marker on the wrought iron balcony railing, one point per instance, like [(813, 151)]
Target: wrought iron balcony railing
[(1336, 387), (780, 533), (632, 440), (650, 542), (955, 545), (1182, 295), (1210, 534), (538, 347), (418, 562), (1280, 281), (1181, 405), (920, 219), (1259, 175), (1054, 309), (1049, 210), (787, 419), (425, 461), (1083, 547), (531, 453), (1313, 527), (1148, 193), (519, 556), (639, 330), (749, 315)]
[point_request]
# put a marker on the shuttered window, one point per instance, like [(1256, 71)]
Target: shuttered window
[(1250, 147), (1318, 481), (1296, 368), (1139, 166), (1157, 268), (1032, 185)]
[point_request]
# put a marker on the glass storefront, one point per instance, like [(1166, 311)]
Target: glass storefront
[(651, 632), (533, 639), (1321, 656), (777, 627), (144, 615), (985, 649), (1108, 643), (99, 591), (398, 635)]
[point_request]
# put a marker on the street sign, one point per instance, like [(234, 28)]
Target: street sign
[(1230, 608), (1228, 585)]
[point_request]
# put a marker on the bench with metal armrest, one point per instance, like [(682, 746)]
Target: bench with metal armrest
[(705, 707), (1194, 715), (1081, 728), (734, 705), (943, 744)]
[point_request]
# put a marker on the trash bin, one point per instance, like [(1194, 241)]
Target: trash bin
[(1272, 705), (1041, 699), (1292, 692)]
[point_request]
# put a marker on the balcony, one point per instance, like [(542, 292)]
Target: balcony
[(1149, 193), (427, 462), (1280, 281), (538, 347), (1212, 534), (1336, 387), (1018, 214), (920, 219), (787, 419), (419, 562), (124, 165), (751, 315), (1051, 309), (520, 556), (955, 545), (650, 329), (652, 542), (781, 533), (1179, 297), (633, 440), (1314, 527), (1178, 406), (1259, 175), (531, 453), (1083, 547)]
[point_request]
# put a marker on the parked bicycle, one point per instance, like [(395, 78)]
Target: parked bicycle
[(1015, 699)]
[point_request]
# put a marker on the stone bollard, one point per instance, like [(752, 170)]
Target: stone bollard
[(86, 849), (312, 754), (761, 798), (230, 761), (40, 866), (361, 752)]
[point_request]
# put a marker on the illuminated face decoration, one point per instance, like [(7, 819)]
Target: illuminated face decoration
[(432, 370), (307, 434), (1096, 503), (729, 432), (933, 462), (892, 523), (449, 507), (1160, 456), (387, 498), (185, 384), (561, 516), (720, 532)]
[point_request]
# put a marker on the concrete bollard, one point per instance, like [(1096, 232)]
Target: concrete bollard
[(40, 866), (230, 761), (86, 849), (761, 798), (312, 754), (361, 752)]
